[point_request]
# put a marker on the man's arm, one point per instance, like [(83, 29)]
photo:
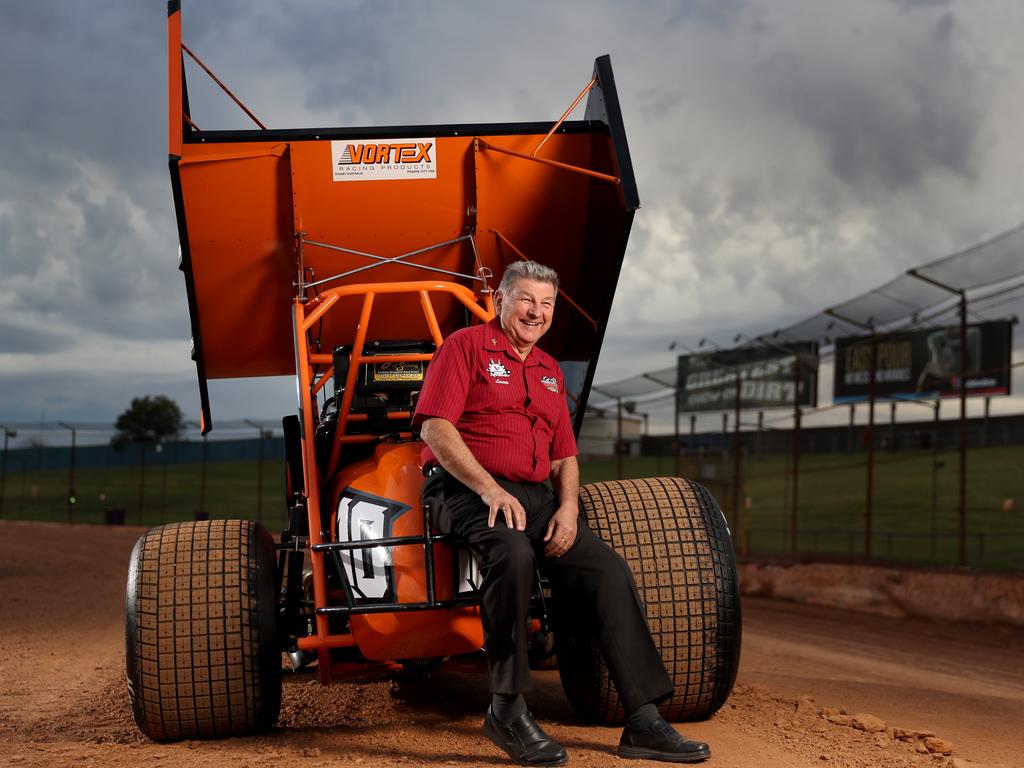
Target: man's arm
[(561, 533), (456, 459)]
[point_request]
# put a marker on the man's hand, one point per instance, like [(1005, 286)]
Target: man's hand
[(561, 531), (449, 449), (500, 500)]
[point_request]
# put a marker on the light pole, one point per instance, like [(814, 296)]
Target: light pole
[(8, 434), (71, 471)]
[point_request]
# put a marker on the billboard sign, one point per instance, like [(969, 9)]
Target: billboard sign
[(924, 363), (767, 378)]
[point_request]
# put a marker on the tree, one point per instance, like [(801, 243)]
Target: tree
[(148, 420)]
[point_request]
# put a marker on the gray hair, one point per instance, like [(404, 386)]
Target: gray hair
[(527, 270)]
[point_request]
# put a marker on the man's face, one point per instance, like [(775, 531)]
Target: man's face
[(526, 312)]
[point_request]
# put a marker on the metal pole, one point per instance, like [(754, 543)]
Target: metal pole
[(740, 522), (201, 512), (202, 479), (698, 452), (72, 494), (259, 472), (962, 544), (70, 501), (142, 481), (163, 487), (850, 442), (677, 447), (760, 434), (962, 375), (8, 433), (870, 440), (935, 477), (259, 481), (892, 426), (795, 482), (618, 438), (984, 423), (24, 482)]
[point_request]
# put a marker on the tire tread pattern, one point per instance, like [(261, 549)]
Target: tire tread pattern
[(675, 539), (196, 643)]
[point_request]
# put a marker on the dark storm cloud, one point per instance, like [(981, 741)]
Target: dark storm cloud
[(90, 396), (786, 158), (719, 13), (86, 232), (880, 126), (81, 80), (16, 337), (911, 5)]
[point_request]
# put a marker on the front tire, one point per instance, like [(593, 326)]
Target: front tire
[(200, 637), (675, 539)]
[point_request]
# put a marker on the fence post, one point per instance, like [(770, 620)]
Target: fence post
[(892, 427), (850, 442), (202, 478), (870, 491), (677, 445), (142, 481), (8, 433), (163, 482), (740, 517), (71, 471), (259, 470), (936, 466), (618, 438), (984, 423), (760, 434)]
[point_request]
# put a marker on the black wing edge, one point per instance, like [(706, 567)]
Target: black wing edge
[(185, 266), (603, 105)]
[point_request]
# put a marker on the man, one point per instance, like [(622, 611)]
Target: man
[(494, 418)]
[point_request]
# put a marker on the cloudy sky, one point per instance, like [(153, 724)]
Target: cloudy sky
[(789, 155)]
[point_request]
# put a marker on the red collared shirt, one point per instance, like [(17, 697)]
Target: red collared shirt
[(511, 413)]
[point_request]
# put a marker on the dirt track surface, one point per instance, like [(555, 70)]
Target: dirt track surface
[(806, 674)]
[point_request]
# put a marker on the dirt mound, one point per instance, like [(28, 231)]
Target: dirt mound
[(929, 594)]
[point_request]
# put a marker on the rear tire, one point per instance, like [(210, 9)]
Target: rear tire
[(200, 638), (675, 539)]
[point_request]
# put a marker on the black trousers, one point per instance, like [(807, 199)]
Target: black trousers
[(591, 577)]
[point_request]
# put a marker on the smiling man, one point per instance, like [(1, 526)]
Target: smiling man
[(495, 423)]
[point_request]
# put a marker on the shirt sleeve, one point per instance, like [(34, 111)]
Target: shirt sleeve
[(446, 386), (563, 442)]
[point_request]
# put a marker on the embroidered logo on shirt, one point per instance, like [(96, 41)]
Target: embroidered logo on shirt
[(550, 382), (498, 371)]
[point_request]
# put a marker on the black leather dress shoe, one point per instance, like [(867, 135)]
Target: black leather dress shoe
[(660, 741), (524, 741)]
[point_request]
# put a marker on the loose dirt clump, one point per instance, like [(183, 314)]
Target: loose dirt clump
[(305, 703), (828, 736)]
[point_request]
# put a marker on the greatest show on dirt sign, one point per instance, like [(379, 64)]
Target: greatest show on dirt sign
[(924, 364), (767, 378)]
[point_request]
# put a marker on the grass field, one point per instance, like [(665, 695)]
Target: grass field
[(914, 517)]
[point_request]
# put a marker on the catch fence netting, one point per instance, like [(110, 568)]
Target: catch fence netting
[(70, 472), (878, 479)]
